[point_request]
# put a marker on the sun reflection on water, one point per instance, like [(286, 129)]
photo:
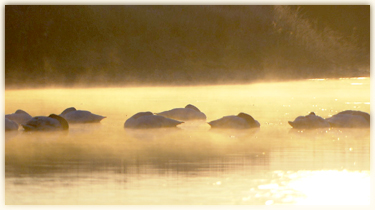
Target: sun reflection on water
[(105, 163), (331, 187)]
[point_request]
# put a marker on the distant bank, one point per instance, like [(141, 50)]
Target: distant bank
[(120, 45)]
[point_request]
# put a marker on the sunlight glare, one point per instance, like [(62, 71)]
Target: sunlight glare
[(332, 188)]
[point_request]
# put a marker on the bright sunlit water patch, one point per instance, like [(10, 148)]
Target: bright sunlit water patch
[(317, 79), (332, 187), (107, 164)]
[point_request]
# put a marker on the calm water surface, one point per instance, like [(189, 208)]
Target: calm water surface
[(106, 164)]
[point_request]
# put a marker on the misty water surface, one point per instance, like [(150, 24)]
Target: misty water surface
[(107, 164)]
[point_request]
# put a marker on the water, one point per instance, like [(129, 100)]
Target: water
[(106, 164)]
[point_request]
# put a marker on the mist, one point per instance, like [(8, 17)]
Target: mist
[(182, 45)]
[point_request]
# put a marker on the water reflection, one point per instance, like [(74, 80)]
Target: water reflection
[(9, 135), (152, 134), (236, 133), (106, 164), (80, 129), (236, 170)]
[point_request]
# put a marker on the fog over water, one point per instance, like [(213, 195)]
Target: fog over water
[(192, 164), (274, 63)]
